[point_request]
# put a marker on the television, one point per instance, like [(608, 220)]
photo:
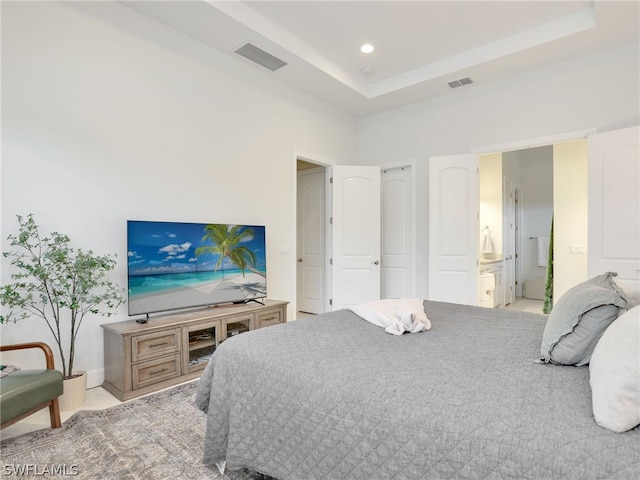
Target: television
[(177, 265)]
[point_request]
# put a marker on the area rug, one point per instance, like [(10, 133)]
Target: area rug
[(160, 436)]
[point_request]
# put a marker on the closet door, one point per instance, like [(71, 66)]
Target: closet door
[(398, 223), (355, 236), (453, 228), (614, 204)]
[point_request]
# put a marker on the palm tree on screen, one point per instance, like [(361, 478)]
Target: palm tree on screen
[(227, 244)]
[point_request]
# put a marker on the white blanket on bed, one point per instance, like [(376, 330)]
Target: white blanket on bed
[(395, 315)]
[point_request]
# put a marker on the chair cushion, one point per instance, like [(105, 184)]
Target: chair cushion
[(26, 389)]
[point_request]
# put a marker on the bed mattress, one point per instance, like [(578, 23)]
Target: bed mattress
[(334, 397)]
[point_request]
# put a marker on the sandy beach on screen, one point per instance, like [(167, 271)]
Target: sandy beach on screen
[(230, 289)]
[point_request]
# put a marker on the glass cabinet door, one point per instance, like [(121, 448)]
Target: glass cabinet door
[(200, 341), (235, 325)]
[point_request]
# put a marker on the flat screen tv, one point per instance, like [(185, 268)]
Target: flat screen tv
[(175, 265)]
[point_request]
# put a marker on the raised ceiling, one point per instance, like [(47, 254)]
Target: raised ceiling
[(420, 46)]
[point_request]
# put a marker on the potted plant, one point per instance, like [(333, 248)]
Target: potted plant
[(60, 284)]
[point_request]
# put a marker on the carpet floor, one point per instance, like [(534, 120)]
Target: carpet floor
[(160, 436)]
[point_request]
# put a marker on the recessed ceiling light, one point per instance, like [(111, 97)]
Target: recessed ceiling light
[(366, 48)]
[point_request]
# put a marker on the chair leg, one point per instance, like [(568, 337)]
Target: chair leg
[(54, 414)]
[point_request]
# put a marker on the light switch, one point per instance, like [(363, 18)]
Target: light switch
[(578, 249)]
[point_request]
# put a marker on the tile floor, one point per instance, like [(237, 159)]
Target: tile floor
[(526, 305)]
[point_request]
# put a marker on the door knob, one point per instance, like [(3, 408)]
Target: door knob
[(300, 260), (376, 262)]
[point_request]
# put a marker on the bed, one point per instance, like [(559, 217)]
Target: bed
[(335, 397)]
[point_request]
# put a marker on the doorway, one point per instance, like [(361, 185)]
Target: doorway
[(532, 170), (549, 182), (517, 203), (311, 238), (337, 236), (340, 225), (466, 167)]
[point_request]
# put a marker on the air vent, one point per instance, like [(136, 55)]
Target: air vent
[(259, 56), (461, 82)]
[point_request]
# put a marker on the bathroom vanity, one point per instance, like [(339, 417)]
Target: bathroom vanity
[(493, 267)]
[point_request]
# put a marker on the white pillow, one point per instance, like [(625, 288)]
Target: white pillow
[(615, 374)]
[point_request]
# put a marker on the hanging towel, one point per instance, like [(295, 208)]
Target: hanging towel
[(543, 251), (487, 241)]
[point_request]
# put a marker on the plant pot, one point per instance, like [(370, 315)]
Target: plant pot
[(74, 393)]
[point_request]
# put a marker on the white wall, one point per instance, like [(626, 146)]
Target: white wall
[(597, 91), (491, 210), (570, 205), (109, 116)]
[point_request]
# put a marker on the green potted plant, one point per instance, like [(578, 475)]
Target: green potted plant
[(60, 284)]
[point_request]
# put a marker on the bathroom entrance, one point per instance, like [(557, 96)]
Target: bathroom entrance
[(516, 209), (521, 193), (577, 249)]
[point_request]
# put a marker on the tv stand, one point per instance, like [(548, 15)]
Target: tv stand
[(171, 349)]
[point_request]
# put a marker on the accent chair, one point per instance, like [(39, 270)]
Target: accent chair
[(25, 392)]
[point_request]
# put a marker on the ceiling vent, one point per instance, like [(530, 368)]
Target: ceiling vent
[(259, 56), (461, 82)]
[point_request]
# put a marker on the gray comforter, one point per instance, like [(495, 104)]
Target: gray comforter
[(334, 397)]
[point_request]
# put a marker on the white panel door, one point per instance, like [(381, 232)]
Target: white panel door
[(614, 204), (398, 270), (311, 239), (453, 228), (509, 241), (355, 271), (518, 246)]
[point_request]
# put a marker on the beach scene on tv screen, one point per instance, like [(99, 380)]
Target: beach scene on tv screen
[(180, 265)]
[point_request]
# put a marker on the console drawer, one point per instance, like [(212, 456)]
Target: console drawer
[(155, 344), (271, 317), (155, 371)]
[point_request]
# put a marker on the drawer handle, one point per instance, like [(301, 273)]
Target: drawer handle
[(158, 344), (269, 319), (155, 372)]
